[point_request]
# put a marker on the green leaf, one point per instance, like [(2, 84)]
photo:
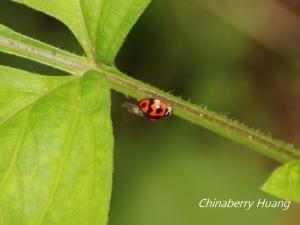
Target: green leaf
[(56, 149), (100, 25), (285, 182)]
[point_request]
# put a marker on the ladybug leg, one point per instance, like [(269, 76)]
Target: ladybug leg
[(133, 108), (168, 111)]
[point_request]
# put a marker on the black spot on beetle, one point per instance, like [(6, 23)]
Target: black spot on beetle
[(149, 110), (151, 101), (159, 110), (144, 105)]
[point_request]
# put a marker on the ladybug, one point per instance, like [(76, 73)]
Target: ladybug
[(154, 109)]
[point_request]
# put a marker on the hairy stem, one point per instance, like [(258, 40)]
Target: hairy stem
[(120, 82)]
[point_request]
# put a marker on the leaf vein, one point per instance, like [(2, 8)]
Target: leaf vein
[(85, 30), (65, 156), (93, 174), (99, 13), (23, 107), (19, 143), (108, 48)]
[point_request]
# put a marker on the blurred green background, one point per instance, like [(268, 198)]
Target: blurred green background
[(238, 58)]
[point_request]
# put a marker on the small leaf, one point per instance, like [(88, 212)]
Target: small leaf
[(100, 25), (285, 182), (56, 149)]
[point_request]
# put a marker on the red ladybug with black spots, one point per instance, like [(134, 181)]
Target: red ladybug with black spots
[(152, 108)]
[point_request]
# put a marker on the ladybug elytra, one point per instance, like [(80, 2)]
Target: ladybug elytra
[(154, 109)]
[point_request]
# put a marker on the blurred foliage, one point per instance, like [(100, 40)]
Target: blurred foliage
[(163, 169)]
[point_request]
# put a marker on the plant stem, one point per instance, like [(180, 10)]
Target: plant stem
[(120, 82)]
